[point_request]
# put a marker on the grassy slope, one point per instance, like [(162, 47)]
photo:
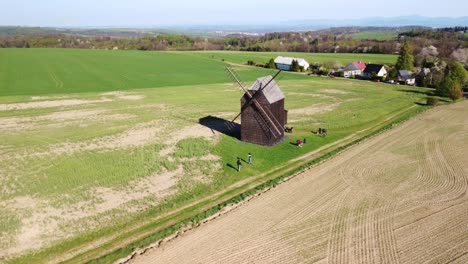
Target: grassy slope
[(52, 71), (263, 57), (363, 104)]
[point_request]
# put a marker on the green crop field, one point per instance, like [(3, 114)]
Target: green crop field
[(264, 57), (47, 71), (375, 35), (99, 149)]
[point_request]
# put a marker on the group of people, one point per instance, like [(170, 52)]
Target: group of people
[(322, 131), (239, 162), (288, 129)]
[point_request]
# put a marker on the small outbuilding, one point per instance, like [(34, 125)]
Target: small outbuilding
[(285, 63)]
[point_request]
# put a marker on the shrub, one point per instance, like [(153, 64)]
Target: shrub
[(433, 101), (455, 92)]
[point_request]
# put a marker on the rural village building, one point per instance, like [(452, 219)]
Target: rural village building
[(377, 69), (405, 76), (285, 63), (263, 121), (354, 69)]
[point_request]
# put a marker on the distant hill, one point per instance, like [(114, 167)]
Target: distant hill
[(317, 24), (242, 29), (104, 32)]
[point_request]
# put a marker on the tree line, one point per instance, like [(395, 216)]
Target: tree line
[(331, 41)]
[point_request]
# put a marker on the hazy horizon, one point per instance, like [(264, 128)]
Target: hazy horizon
[(107, 13)]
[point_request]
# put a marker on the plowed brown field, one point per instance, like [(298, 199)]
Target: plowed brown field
[(400, 197)]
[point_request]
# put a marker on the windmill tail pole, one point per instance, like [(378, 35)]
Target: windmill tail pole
[(237, 116)]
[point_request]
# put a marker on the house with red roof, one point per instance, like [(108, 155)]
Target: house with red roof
[(353, 69)]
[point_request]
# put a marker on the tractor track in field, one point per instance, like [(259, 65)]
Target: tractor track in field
[(400, 197)]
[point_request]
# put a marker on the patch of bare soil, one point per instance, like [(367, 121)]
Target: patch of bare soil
[(400, 197), (157, 185), (315, 109), (308, 94), (49, 104), (333, 91), (139, 135), (194, 131), (41, 221), (125, 95), (60, 119), (36, 98)]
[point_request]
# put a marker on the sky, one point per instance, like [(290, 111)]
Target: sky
[(67, 13)]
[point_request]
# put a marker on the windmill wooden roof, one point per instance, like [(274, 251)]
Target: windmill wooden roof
[(272, 92)]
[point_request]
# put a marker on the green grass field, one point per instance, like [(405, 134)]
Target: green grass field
[(48, 71), (264, 57), (79, 163), (375, 35)]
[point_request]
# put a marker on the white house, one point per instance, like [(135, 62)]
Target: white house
[(377, 69), (285, 63)]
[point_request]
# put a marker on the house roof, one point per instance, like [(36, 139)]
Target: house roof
[(289, 60), (272, 92), (405, 75), (370, 68), (355, 66), (350, 67)]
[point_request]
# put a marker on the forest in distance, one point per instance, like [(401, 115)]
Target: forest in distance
[(335, 40)]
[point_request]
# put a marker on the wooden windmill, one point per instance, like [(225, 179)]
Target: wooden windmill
[(262, 110)]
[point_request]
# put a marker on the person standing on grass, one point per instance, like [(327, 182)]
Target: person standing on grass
[(250, 158), (239, 164), (299, 143)]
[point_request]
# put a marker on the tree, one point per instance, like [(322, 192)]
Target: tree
[(271, 64), (444, 86), (392, 73), (295, 66), (458, 72), (450, 87), (428, 57), (405, 60)]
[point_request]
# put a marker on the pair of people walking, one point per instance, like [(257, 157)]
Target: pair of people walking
[(239, 162)]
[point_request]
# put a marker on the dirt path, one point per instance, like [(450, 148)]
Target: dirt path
[(399, 197)]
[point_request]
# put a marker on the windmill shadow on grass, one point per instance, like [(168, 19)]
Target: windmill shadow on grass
[(220, 125)]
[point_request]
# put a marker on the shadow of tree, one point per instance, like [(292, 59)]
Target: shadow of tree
[(424, 91)]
